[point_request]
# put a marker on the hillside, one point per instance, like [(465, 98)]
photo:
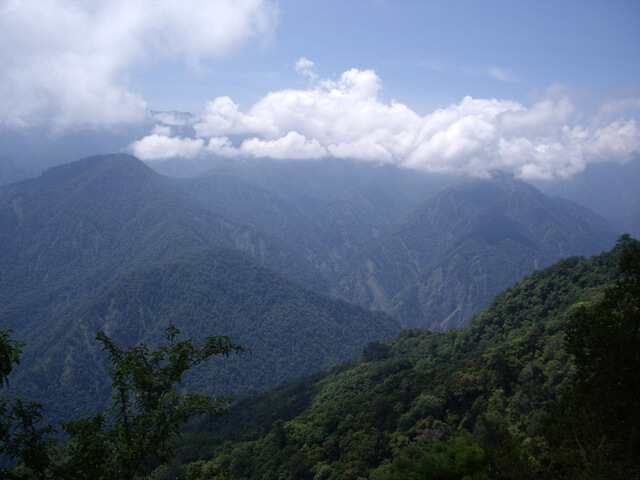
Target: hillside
[(253, 204), (290, 331), (447, 259), (324, 210), (82, 231), (110, 212), (69, 230), (80, 243), (431, 250), (610, 190), (504, 398)]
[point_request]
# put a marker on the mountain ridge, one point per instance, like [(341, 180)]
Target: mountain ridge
[(289, 329), (498, 217), (486, 401)]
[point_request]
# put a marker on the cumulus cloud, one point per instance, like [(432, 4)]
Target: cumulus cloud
[(292, 145), (222, 116), (346, 118), (221, 146), (63, 63), (304, 67), (160, 146)]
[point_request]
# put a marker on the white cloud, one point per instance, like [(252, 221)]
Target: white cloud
[(158, 147), (345, 118), (501, 74), (304, 67), (620, 139), (221, 146), (223, 117), (163, 130), (292, 145), (64, 63)]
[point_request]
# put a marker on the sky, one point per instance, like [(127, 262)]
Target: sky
[(540, 88)]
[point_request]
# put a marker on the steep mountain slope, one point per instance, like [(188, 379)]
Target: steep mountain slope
[(108, 227), (481, 402), (433, 266), (452, 255), (76, 225), (324, 210), (290, 331), (253, 204), (104, 241)]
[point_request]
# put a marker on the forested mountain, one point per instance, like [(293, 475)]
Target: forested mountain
[(102, 227), (245, 200), (251, 250), (449, 257), (542, 385), (324, 210), (82, 231), (290, 331), (386, 239), (106, 213)]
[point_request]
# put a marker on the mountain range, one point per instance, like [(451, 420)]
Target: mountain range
[(430, 250), (106, 243), (270, 254), (452, 255)]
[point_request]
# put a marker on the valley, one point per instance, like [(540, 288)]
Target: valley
[(306, 273), (105, 243)]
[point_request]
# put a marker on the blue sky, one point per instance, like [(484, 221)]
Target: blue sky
[(538, 87), (432, 53)]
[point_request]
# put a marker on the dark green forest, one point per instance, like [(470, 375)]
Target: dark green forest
[(540, 384), (107, 244), (290, 330), (543, 384)]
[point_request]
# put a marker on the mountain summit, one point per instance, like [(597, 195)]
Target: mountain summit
[(106, 243), (447, 260)]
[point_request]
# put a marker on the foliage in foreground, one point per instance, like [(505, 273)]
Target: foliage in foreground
[(133, 435), (542, 385), (22, 440)]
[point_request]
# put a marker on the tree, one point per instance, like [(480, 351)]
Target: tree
[(598, 420), (135, 432), (9, 354), (25, 447)]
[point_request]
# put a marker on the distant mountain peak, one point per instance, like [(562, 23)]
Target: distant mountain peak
[(120, 162), (465, 244)]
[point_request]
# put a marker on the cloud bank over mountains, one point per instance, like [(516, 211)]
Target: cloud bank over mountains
[(67, 64), (346, 118)]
